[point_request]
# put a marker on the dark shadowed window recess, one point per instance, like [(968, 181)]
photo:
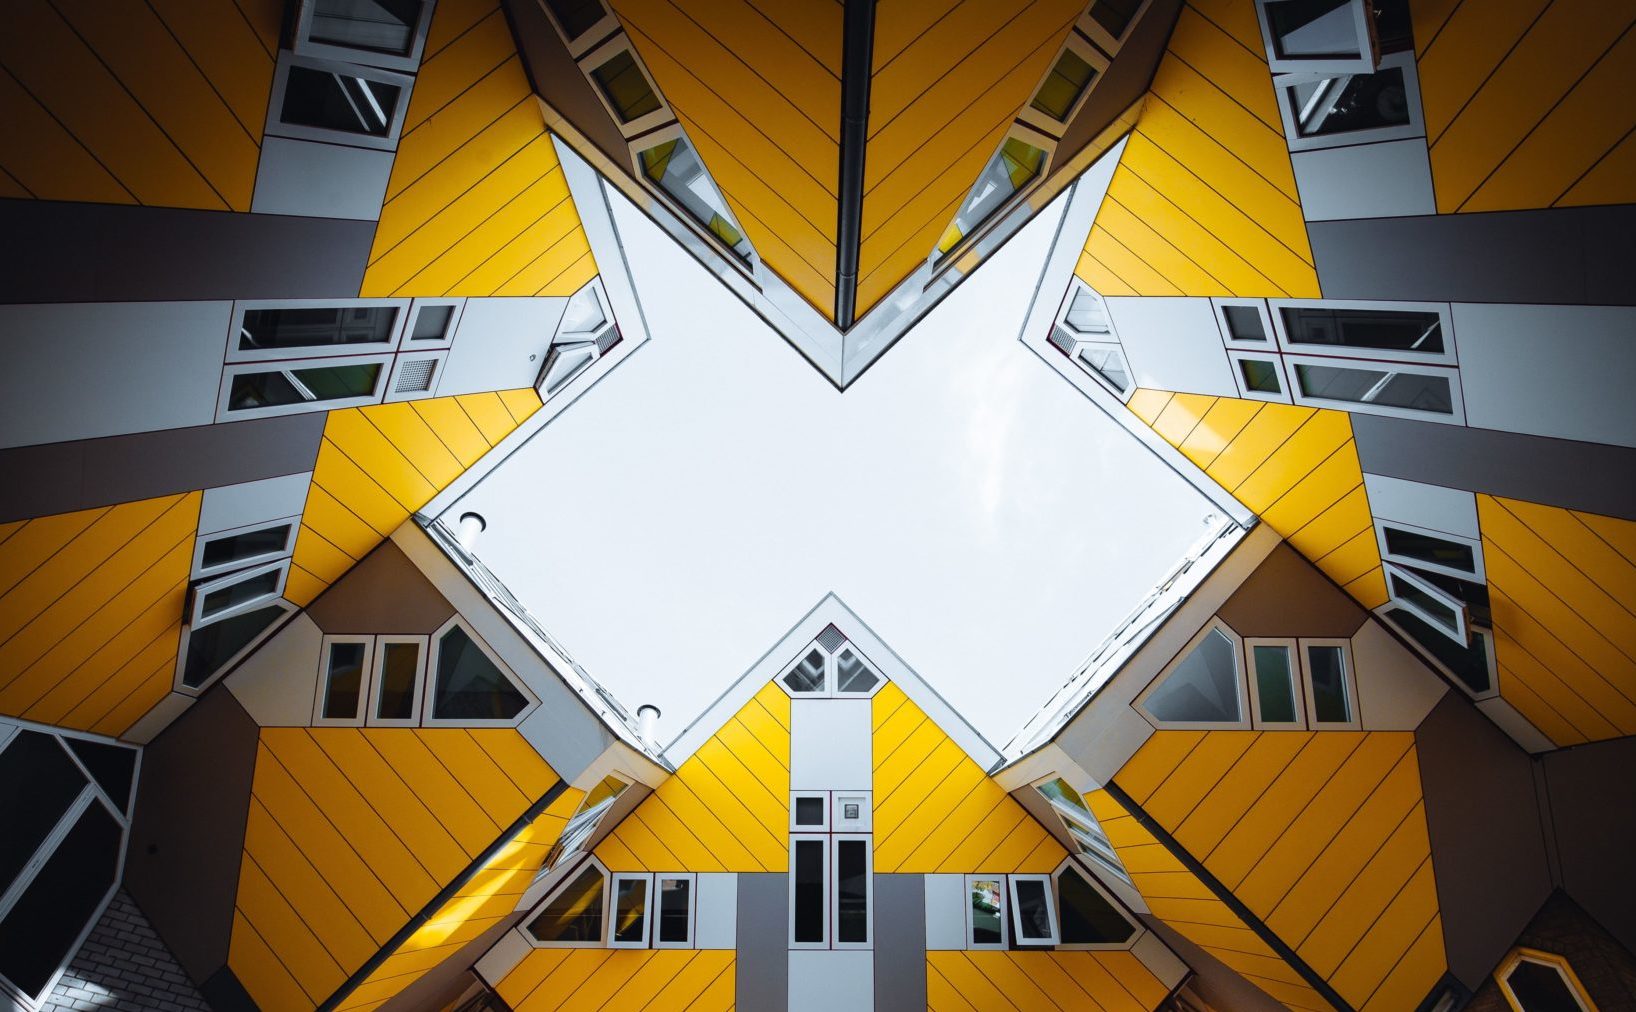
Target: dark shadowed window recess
[(38, 782), (1087, 916), (400, 668), (215, 644), (344, 685), (316, 327), (576, 16), (575, 913), (852, 891), (469, 685), (38, 934), (378, 26), (622, 81), (1067, 81), (1114, 15), (675, 903), (333, 101), (250, 545), (809, 891)]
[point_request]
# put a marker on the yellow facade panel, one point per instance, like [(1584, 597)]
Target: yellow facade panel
[(1336, 477), (1307, 447), (1468, 45), (1191, 116), (1401, 924), (1224, 420), (770, 58), (1235, 274), (260, 971), (585, 980), (1235, 18), (52, 164), (1259, 440), (1197, 776), (1384, 875), (1239, 70), (227, 49), (1181, 416)]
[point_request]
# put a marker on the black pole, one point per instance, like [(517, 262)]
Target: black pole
[(857, 58)]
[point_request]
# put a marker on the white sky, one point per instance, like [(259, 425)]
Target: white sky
[(986, 520)]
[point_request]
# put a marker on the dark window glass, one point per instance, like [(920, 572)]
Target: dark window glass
[(809, 891), (112, 766), (469, 686), (1313, 29), (345, 681), (235, 594), (236, 547), (1441, 613), (987, 903), (1244, 323), (630, 910), (39, 933), (1067, 81), (1385, 387), (1338, 105), (1033, 910), (1274, 684), (400, 663), (1260, 376), (1203, 687), (575, 914), (675, 902), (576, 16), (1331, 704), (332, 101), (1469, 664), (278, 387), (1541, 988), (37, 784), (1087, 917), (215, 644), (852, 884), (1385, 330), (809, 811), (431, 323), (852, 675), (1426, 548), (318, 327), (807, 676), (378, 26), (1114, 15), (627, 88)]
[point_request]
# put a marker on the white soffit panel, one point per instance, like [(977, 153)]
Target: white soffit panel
[(1173, 344), (1450, 510)]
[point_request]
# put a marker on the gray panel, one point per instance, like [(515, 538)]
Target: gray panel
[(1561, 371), (1173, 344), (763, 963), (239, 505), (63, 477), (900, 943), (320, 180), (108, 368), (1453, 511), (182, 863), (383, 593), (552, 71), (1561, 255), (1289, 596), (1593, 814), (1123, 82), (175, 253), (1557, 472), (1487, 849), (500, 344), (1389, 179)]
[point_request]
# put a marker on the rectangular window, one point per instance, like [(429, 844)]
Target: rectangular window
[(1405, 391), (1471, 665), (576, 17), (1275, 700), (1334, 110), (1423, 549), (673, 925), (1034, 914), (630, 911), (809, 872), (809, 811), (1069, 78), (343, 683), (852, 892), (384, 33), (573, 916), (1244, 321), (432, 324), (1259, 378), (1115, 16), (674, 167), (1443, 611), (625, 86), (1317, 35), (1081, 825), (342, 103), (277, 330), (1418, 332), (228, 550), (289, 387), (985, 912), (234, 594), (1330, 688), (395, 692)]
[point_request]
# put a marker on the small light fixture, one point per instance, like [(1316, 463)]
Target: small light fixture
[(466, 532)]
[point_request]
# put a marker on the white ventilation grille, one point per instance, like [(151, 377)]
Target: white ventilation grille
[(415, 376)]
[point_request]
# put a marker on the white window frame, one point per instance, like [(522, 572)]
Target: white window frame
[(1028, 134), (225, 414), (1443, 310), (832, 677), (201, 571), (1238, 355), (1103, 39), (1361, 64), (187, 641), (1297, 687), (1075, 825), (583, 824), (429, 683), (410, 62), (377, 680), (569, 877), (241, 307), (837, 819), (1460, 632), (1383, 613), (1078, 340), (1476, 546), (834, 890), (828, 878), (1267, 343), (1456, 416), (1070, 865), (801, 655), (673, 131), (365, 679), (1005, 912), (1416, 127), (1349, 681), (1081, 47), (656, 908), (391, 395), (613, 908), (591, 38), (198, 620), (821, 827), (410, 343), (1559, 963), (1243, 723), (1050, 885), (600, 55), (276, 127)]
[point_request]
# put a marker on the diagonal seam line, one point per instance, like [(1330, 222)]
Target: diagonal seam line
[(186, 53), (1431, 141)]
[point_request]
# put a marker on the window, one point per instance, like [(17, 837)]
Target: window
[(276, 330), (809, 811), (1034, 913), (854, 887), (1082, 826), (1245, 321), (237, 593), (1013, 169), (853, 676), (1407, 391), (1259, 377), (1331, 691), (225, 551), (578, 830), (1089, 919), (576, 17), (1202, 688), (208, 652), (1275, 701), (630, 911), (470, 687), (985, 912), (1416, 332), (394, 696), (1066, 84), (674, 167), (831, 891), (1110, 21), (584, 335), (343, 103), (809, 871), (431, 324), (343, 679), (1471, 666), (1536, 981), (1430, 550), (1317, 35), (842, 672), (1086, 337), (673, 925), (1439, 609), (281, 388), (1331, 110), (388, 33), (574, 914), (626, 87)]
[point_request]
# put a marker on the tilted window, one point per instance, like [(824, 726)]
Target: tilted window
[(469, 685), (574, 914), (1203, 687)]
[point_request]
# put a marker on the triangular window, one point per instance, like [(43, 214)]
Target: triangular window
[(1088, 917), (469, 685), (1205, 686)]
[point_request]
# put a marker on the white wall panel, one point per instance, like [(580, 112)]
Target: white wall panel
[(715, 924), (278, 683), (828, 980), (945, 912), (830, 745), (1385, 180), (1395, 688), (252, 502), (320, 180), (500, 344), (1450, 510), (1173, 344)]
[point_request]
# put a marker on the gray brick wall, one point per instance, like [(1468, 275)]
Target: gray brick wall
[(124, 965)]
